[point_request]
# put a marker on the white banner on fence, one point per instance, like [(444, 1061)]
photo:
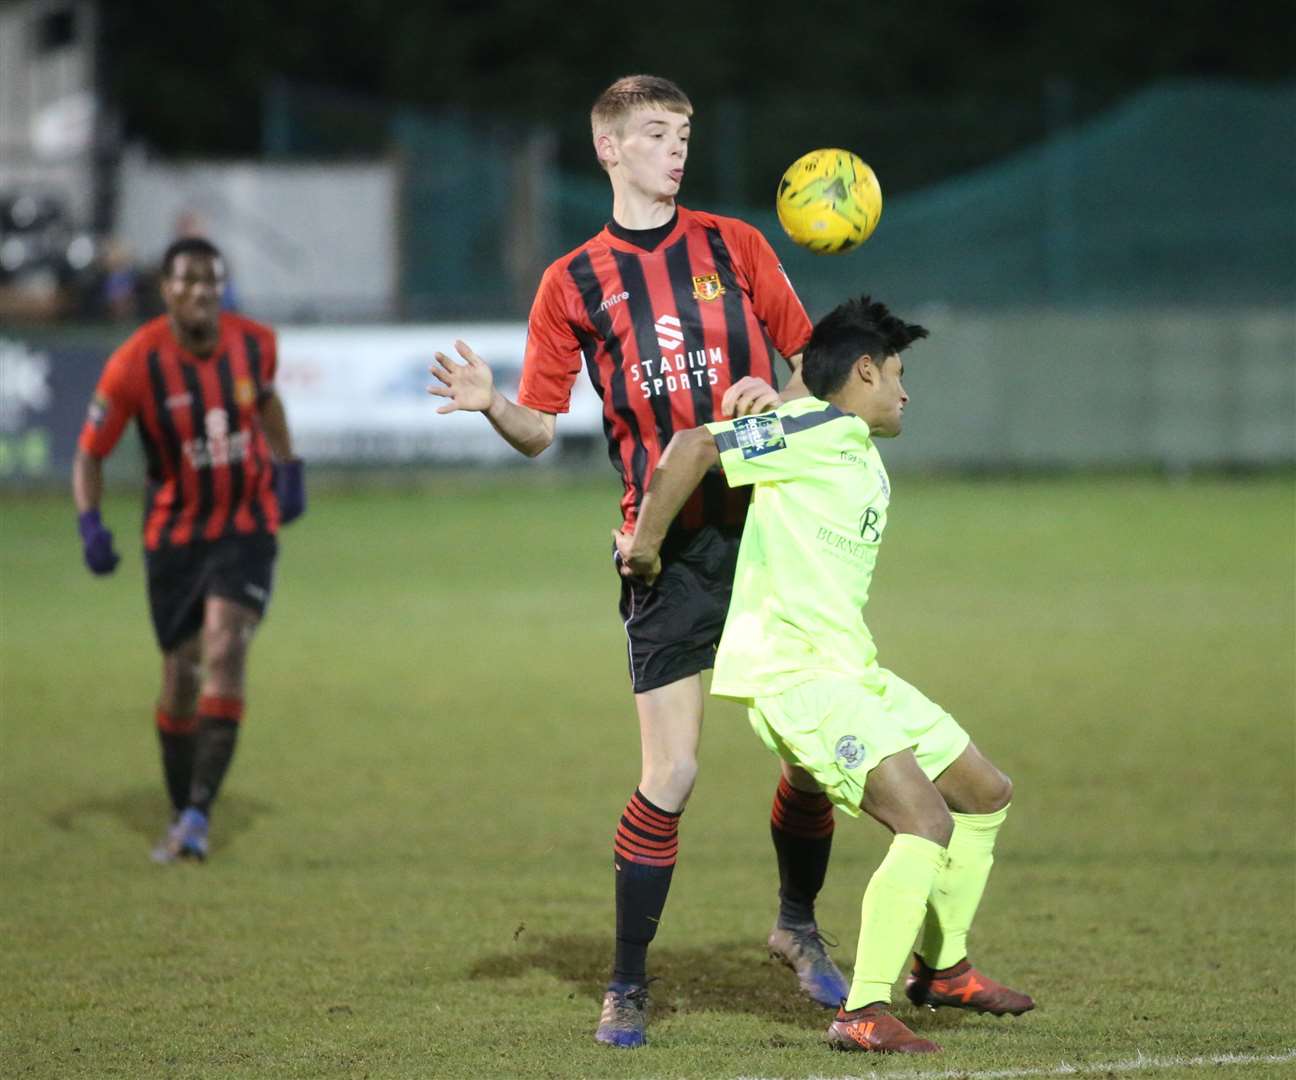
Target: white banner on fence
[(300, 241), (358, 394)]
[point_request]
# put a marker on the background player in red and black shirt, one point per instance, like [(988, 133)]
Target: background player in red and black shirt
[(199, 383), (676, 315)]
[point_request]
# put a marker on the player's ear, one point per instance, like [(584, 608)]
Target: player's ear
[(866, 369), (605, 148)]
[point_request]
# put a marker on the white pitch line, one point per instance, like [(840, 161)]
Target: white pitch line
[(1139, 1063)]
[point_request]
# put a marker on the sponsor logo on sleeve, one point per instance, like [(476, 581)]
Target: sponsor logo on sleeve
[(98, 411), (761, 434)]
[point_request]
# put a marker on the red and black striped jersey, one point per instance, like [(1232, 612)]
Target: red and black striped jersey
[(209, 466), (663, 334)]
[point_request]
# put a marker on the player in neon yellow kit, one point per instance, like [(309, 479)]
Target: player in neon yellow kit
[(797, 653)]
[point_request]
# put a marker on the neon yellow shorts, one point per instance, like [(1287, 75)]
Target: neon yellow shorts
[(839, 727)]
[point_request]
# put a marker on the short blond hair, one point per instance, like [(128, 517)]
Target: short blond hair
[(632, 92)]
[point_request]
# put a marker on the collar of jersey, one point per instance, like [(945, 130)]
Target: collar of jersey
[(799, 406), (614, 241)]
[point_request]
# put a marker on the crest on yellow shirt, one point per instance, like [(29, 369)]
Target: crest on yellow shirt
[(849, 752), (707, 287)]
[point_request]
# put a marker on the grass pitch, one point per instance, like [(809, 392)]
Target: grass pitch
[(411, 870)]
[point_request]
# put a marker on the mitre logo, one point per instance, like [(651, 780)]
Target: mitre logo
[(669, 335)]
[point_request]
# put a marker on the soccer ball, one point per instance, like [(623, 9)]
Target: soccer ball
[(829, 201)]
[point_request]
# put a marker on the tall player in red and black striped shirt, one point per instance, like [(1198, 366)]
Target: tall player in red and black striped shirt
[(222, 478), (676, 315)]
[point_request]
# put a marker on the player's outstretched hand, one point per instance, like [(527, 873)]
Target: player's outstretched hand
[(749, 395), (469, 386), (635, 564), (97, 543), (290, 489)]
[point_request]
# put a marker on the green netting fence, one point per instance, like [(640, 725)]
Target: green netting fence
[(1183, 195)]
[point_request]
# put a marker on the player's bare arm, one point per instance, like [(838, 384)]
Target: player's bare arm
[(470, 387), (796, 387), (87, 481), (686, 460), (274, 422)]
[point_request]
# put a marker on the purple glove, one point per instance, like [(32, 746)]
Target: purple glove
[(98, 543), (290, 489)]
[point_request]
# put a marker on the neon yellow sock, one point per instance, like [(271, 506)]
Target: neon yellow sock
[(891, 914), (958, 890)]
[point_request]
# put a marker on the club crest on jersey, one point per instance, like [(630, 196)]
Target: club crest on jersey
[(244, 391), (849, 752), (707, 287), (761, 434)]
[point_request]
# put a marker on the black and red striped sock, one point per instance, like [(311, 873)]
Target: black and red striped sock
[(176, 739), (218, 728), (801, 825), (647, 840)]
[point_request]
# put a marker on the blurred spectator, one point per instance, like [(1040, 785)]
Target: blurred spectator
[(45, 260), (119, 290)]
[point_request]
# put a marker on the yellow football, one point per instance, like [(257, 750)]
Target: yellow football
[(829, 201)]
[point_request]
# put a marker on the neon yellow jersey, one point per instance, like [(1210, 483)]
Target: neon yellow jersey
[(819, 507)]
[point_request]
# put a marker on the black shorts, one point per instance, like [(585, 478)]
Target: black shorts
[(673, 626), (238, 568)]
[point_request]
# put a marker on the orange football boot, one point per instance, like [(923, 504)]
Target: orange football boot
[(962, 987), (875, 1030)]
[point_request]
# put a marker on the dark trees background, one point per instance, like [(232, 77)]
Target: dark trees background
[(996, 72)]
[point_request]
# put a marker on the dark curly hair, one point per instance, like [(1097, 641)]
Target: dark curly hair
[(188, 245), (859, 327)]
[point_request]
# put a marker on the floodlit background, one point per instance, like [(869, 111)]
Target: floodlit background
[(1092, 206)]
